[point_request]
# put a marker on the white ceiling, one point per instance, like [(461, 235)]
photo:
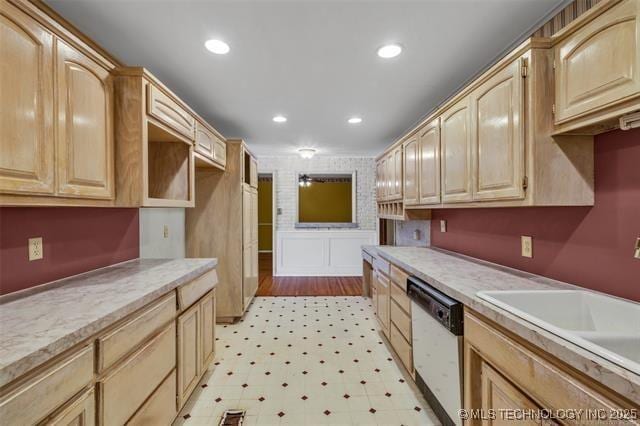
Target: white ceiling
[(313, 61)]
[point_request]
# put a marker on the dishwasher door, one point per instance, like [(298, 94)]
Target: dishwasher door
[(437, 358)]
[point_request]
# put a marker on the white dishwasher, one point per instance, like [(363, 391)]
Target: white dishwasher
[(436, 322)]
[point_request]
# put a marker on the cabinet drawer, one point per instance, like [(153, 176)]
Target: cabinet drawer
[(381, 265), (123, 391), (189, 293), (398, 276), (118, 342), (49, 390), (402, 348), (220, 151), (163, 108), (401, 320), (160, 408), (205, 141), (400, 296)]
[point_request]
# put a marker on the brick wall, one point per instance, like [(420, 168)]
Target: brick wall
[(286, 168)]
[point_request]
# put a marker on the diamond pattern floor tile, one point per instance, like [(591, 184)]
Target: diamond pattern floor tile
[(306, 361)]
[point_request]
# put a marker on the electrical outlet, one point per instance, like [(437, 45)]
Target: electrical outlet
[(165, 231), (636, 253), (416, 235), (36, 251), (527, 246), (443, 226)]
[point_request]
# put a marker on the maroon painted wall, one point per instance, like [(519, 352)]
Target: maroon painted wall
[(588, 246), (75, 240)]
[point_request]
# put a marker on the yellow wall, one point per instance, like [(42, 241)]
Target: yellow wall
[(325, 202), (265, 215)]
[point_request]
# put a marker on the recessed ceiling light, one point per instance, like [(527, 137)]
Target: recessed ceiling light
[(389, 51), (354, 120), (307, 153), (279, 118), (218, 47)]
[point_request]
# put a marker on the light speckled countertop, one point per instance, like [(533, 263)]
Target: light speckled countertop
[(461, 277), (51, 319)]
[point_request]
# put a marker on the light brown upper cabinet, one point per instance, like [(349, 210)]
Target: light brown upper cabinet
[(85, 127), (494, 144), (210, 148), (26, 114), (411, 176), (597, 68), (429, 163), (498, 135), (456, 152), (155, 161), (392, 176), (53, 152)]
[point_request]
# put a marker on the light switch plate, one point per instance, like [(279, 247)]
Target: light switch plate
[(636, 253), (165, 231), (36, 251), (443, 226), (527, 246)]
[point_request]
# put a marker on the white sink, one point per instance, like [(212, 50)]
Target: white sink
[(606, 326)]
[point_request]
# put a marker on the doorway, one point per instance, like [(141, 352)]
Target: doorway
[(266, 226)]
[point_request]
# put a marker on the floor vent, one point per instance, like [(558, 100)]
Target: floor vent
[(232, 418)]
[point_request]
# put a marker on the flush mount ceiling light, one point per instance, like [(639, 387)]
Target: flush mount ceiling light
[(354, 120), (389, 51), (307, 153), (218, 47), (280, 119)]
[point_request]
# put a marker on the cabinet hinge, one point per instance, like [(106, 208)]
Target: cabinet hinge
[(525, 183), (554, 64), (524, 68), (553, 109)]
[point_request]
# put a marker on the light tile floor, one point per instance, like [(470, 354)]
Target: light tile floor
[(307, 361)]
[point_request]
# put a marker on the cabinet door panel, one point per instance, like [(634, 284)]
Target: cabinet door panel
[(498, 394), (429, 163), (397, 173), (81, 412), (384, 300), (188, 353), (599, 65), (220, 152), (456, 153), (26, 110), (498, 136), (204, 141), (207, 327), (410, 150), (85, 128)]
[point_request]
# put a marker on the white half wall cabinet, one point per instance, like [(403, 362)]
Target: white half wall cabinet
[(321, 252)]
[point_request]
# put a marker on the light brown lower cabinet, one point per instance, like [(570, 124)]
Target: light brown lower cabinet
[(196, 336), (503, 372), (392, 307), (138, 371)]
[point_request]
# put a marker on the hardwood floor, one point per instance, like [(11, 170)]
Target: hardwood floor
[(303, 286)]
